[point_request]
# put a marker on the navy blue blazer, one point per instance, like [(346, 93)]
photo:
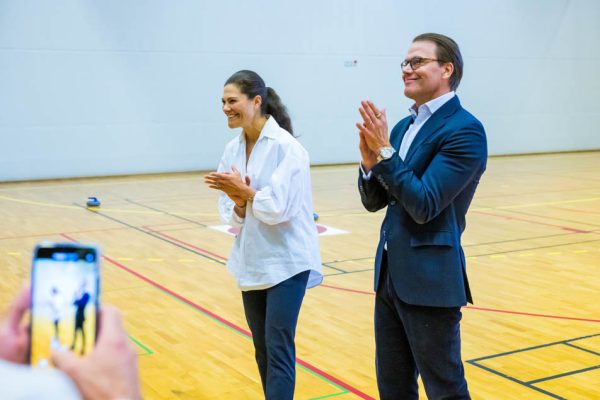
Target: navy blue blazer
[(427, 197)]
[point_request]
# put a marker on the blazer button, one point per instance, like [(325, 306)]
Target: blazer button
[(393, 203)]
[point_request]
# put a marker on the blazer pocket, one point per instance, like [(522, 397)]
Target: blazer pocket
[(440, 238)]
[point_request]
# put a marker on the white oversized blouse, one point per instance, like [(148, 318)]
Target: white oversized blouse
[(278, 237)]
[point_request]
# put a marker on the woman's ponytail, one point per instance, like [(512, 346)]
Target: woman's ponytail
[(275, 108)]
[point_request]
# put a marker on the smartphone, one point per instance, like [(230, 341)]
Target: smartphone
[(65, 289)]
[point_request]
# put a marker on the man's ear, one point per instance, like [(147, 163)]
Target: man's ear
[(448, 70)]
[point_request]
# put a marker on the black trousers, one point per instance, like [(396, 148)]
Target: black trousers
[(412, 340)]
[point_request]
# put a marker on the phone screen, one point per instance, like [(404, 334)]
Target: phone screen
[(64, 300)]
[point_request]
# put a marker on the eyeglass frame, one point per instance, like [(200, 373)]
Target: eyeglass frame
[(422, 61)]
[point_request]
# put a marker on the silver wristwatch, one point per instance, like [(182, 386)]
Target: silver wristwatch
[(385, 153)]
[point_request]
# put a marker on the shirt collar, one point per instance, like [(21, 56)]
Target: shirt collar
[(270, 130), (432, 105)]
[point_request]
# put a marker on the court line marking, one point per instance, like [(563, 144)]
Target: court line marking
[(530, 384), (104, 209), (324, 375), (206, 252), (546, 203), (198, 251), (565, 228), (58, 233), (167, 213), (532, 214), (147, 350), (468, 307)]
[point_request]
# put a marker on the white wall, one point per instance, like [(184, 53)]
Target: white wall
[(107, 87)]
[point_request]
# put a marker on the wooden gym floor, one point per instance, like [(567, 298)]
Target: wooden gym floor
[(533, 247)]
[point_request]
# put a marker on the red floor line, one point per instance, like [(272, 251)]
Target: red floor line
[(184, 243), (346, 289), (57, 233), (230, 324), (566, 228), (531, 314), (482, 308)]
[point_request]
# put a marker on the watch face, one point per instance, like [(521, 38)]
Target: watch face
[(386, 152)]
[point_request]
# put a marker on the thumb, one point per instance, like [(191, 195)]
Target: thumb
[(18, 309), (63, 359)]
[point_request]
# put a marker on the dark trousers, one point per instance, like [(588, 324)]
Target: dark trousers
[(272, 315), (412, 340)]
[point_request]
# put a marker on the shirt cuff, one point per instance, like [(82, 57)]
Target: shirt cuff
[(366, 176), (236, 219)]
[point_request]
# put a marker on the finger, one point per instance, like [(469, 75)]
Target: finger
[(365, 116), (247, 180), (110, 325), (234, 169), (211, 181), (213, 185), (18, 308), (361, 127), (374, 109), (64, 359), (369, 110)]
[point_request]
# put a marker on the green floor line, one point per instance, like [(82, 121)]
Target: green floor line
[(146, 349), (330, 395)]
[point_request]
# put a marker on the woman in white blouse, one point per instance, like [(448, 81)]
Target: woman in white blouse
[(264, 179)]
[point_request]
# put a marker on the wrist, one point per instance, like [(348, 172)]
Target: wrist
[(367, 166), (385, 153), (251, 194)]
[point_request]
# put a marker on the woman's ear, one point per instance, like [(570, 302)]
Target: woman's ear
[(257, 102)]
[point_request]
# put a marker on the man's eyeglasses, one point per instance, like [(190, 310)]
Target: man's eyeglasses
[(416, 62)]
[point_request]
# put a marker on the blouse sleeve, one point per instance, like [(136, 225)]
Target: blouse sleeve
[(226, 212), (281, 199)]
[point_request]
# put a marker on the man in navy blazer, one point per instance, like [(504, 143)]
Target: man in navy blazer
[(425, 174)]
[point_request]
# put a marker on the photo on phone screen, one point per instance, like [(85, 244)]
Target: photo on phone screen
[(65, 284)]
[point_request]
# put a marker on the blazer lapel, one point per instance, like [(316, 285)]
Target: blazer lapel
[(435, 122), (401, 128)]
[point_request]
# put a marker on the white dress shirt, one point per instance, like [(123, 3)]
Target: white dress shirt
[(421, 116), (278, 237)]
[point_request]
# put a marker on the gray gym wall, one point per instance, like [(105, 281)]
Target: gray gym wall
[(103, 87)]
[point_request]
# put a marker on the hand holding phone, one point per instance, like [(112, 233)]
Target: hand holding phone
[(111, 370), (65, 284), (14, 336)]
